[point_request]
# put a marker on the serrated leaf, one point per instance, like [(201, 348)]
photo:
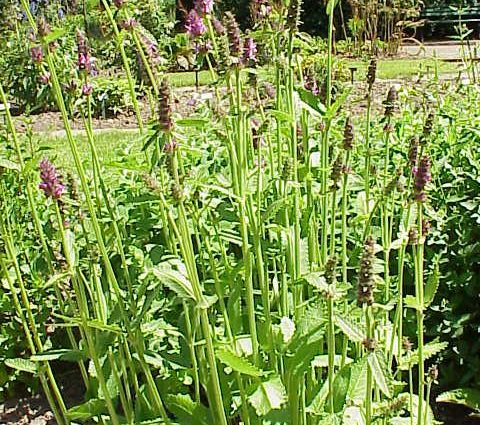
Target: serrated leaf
[(22, 365), (431, 285), (317, 403), (411, 302), (340, 388), (175, 281), (317, 280), (322, 360), (237, 363), (358, 381), (269, 395), (187, 410), (354, 331), (378, 366), (353, 416), (469, 397), (9, 165), (429, 350), (68, 355), (87, 410)]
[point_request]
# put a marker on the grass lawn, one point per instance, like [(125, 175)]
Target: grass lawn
[(387, 69), (109, 144)]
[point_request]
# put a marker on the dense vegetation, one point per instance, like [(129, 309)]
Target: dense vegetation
[(295, 251)]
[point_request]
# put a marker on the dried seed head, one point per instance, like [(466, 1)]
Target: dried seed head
[(413, 236), (151, 182), (371, 73), (391, 102), (293, 14), (370, 344), (426, 227), (366, 275), (348, 135), (43, 27), (330, 266), (433, 373), (407, 344), (413, 151), (177, 192), (427, 128), (287, 169), (336, 173), (233, 33), (165, 108)]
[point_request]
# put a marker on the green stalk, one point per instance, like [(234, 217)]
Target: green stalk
[(331, 352), (419, 294), (131, 83), (368, 396), (366, 175)]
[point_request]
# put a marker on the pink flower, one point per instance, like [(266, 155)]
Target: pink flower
[(203, 6), (249, 50), (51, 184), (36, 53), (45, 77), (194, 24), (87, 89)]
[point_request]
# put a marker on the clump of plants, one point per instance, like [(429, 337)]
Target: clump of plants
[(264, 261)]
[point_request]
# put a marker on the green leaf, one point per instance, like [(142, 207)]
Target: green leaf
[(9, 165), (22, 365), (340, 388), (237, 363), (354, 331), (87, 410), (431, 285), (353, 416), (311, 101), (358, 381), (469, 397), (317, 403), (268, 396), (429, 350), (411, 302), (175, 281), (60, 354), (378, 366), (192, 122), (317, 280), (322, 360), (187, 410)]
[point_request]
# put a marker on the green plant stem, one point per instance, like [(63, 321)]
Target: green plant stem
[(369, 395), (331, 352), (419, 294), (366, 176), (131, 83)]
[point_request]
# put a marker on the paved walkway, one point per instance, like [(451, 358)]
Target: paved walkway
[(441, 50)]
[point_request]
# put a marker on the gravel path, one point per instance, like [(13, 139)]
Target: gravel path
[(441, 50)]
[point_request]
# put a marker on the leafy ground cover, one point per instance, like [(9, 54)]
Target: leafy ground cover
[(294, 250)]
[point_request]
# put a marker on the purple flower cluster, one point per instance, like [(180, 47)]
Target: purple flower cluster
[(87, 89), (194, 24), (45, 77), (249, 51), (203, 6), (36, 53), (128, 24), (51, 184), (85, 62), (422, 177), (218, 26), (233, 32)]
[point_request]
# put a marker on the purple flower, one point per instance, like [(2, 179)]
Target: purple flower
[(128, 24), (203, 48), (249, 50), (203, 6), (118, 3), (218, 26), (422, 177), (51, 184), (87, 89), (45, 77), (233, 32), (36, 53), (194, 24)]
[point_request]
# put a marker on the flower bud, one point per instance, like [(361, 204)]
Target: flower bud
[(233, 33), (371, 73), (348, 135), (366, 274), (165, 108), (391, 102), (293, 14), (422, 177)]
